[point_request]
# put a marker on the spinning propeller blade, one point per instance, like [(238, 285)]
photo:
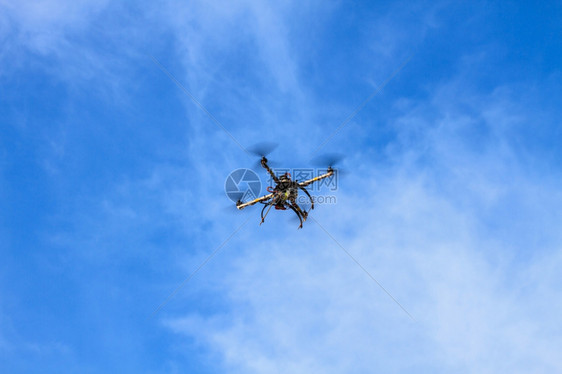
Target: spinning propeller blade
[(263, 149), (327, 160), (330, 160)]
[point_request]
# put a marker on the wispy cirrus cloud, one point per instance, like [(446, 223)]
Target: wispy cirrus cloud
[(114, 190), (44, 26), (459, 230)]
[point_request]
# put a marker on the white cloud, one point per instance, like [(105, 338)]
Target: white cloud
[(467, 241), (454, 224), (86, 45), (44, 26)]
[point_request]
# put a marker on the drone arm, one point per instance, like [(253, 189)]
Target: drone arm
[(297, 213), (241, 205), (316, 179), (266, 167)]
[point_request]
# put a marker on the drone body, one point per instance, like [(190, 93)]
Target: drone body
[(284, 194)]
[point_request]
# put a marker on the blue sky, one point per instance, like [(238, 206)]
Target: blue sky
[(112, 187)]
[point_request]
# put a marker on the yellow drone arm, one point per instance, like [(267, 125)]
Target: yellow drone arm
[(241, 206), (316, 179)]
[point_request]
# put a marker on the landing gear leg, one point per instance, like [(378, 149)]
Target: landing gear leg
[(297, 213)]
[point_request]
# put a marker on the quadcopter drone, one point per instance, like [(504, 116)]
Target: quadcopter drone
[(284, 194)]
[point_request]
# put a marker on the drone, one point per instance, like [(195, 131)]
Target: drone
[(284, 194)]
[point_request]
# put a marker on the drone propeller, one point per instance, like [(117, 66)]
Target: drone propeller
[(327, 160), (230, 208), (263, 149)]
